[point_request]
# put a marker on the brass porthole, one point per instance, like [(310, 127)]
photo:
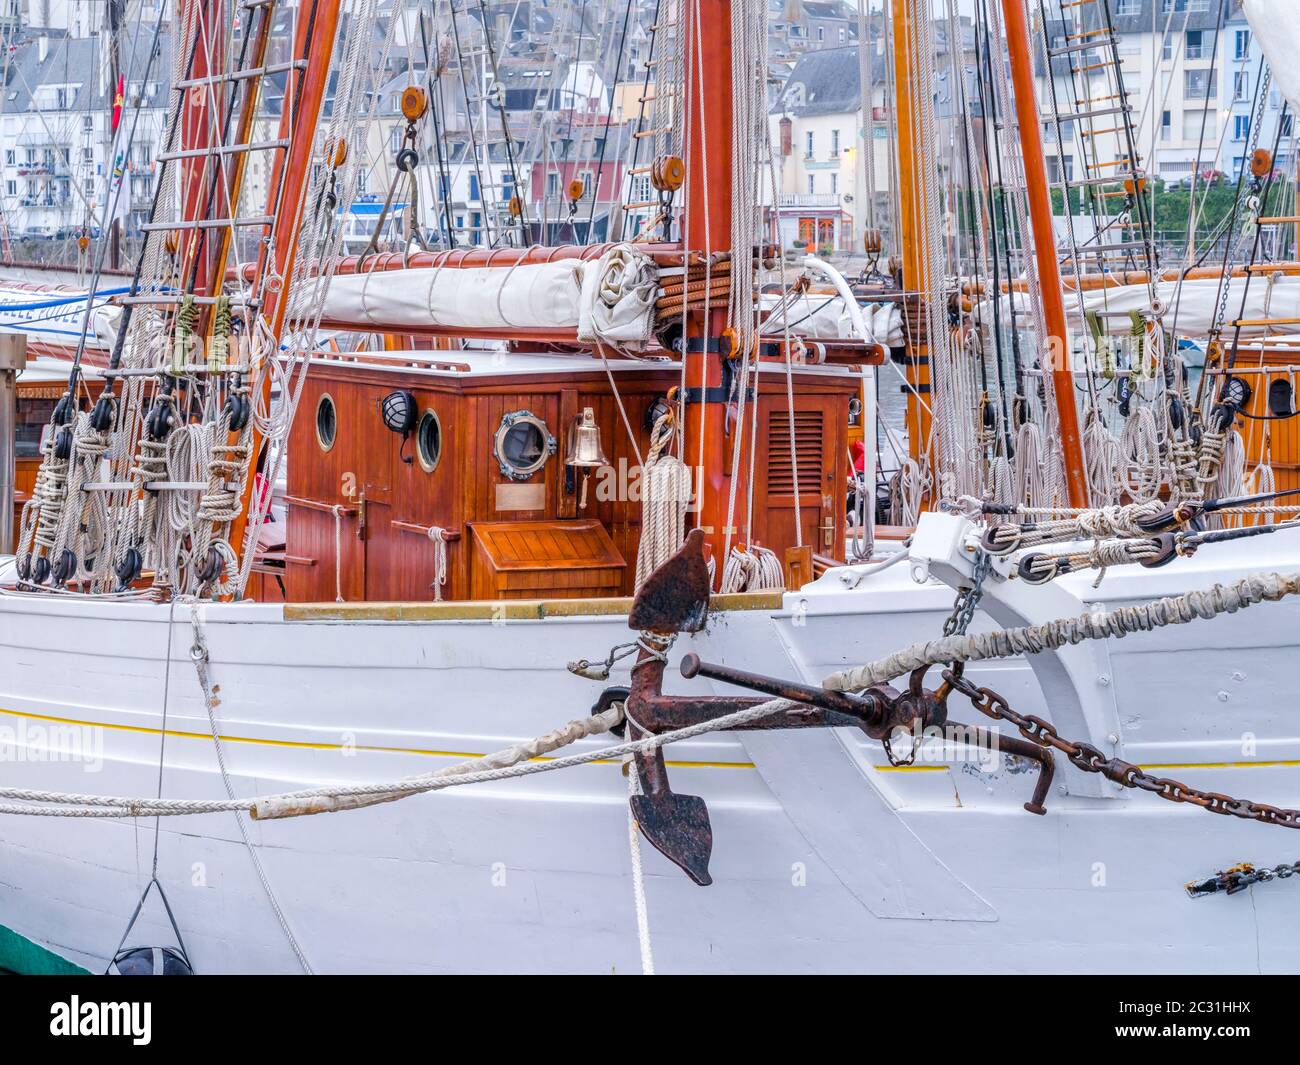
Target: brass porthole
[(428, 441), (327, 422), (522, 444)]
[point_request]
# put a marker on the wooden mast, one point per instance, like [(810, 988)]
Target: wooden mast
[(708, 230), (314, 35), (1054, 348), (913, 239)]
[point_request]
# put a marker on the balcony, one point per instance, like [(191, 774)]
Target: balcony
[(810, 199)]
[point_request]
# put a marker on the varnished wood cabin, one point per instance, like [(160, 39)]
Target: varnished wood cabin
[(487, 460)]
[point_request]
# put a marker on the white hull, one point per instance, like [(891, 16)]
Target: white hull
[(825, 859)]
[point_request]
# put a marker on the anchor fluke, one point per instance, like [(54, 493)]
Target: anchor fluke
[(678, 827), (675, 597)]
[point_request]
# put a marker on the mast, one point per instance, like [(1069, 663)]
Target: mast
[(708, 230), (914, 239), (1054, 348), (316, 28)]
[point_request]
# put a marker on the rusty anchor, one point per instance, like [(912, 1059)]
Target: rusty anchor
[(675, 599)]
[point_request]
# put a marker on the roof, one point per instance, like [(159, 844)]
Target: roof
[(1151, 12), (77, 61), (824, 82), (814, 10)]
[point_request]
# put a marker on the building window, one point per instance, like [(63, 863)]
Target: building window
[(552, 184), (1241, 44), (1128, 7), (821, 33), (1241, 85), (1195, 44), (11, 187), (1241, 128), (1166, 125), (1199, 84), (835, 184), (808, 144), (473, 187), (9, 156), (88, 124), (835, 144), (812, 184)]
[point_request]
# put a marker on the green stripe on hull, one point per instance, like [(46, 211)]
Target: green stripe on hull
[(22, 956)]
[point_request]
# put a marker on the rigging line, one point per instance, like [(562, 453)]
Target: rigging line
[(505, 121), (110, 210), (162, 733), (989, 105), (641, 109), (434, 81), (1194, 208), (609, 117), (986, 186), (164, 172), (1259, 236)]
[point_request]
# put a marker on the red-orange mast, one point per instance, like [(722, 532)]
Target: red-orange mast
[(1054, 348), (314, 35), (708, 230)]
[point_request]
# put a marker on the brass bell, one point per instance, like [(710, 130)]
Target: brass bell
[(585, 450)]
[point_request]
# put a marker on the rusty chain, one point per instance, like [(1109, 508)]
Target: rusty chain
[(1240, 877), (1090, 759)]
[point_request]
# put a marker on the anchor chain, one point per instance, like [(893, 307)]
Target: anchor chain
[(1240, 877), (1089, 759), (968, 599)]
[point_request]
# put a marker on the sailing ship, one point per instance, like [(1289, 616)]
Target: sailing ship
[(466, 565)]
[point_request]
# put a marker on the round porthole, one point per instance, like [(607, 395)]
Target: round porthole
[(327, 423), (522, 445), (428, 441)]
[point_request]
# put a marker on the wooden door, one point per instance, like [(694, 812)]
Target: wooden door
[(813, 459)]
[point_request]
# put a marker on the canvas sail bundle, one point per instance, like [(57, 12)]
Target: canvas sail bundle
[(1276, 25)]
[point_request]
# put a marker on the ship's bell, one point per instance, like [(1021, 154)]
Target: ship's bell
[(584, 442)]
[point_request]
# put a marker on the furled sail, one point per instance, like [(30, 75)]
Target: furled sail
[(1190, 308), (1276, 25)]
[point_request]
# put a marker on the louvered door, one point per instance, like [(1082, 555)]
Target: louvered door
[(810, 463)]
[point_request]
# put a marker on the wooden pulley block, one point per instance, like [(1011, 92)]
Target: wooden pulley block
[(575, 190), (1261, 162), (339, 155), (667, 173), (414, 103), (83, 242), (516, 207), (872, 241), (1135, 185)]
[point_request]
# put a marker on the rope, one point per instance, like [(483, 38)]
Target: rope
[(665, 495), (518, 760), (638, 876), (1032, 639), (199, 654), (439, 538), (337, 511)]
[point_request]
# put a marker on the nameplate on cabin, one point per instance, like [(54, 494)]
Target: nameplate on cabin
[(521, 496)]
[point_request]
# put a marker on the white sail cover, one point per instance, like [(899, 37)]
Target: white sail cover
[(1276, 25), (534, 296), (1190, 310), (610, 299)]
